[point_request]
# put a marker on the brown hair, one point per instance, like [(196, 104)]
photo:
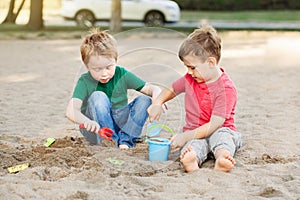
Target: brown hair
[(203, 42), (98, 43)]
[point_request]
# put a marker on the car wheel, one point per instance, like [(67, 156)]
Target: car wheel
[(154, 19), (85, 18)]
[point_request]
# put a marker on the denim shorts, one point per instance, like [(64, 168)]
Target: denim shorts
[(223, 138)]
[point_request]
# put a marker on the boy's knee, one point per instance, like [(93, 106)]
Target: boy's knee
[(95, 96), (98, 98), (197, 145), (98, 101), (224, 138), (144, 100)]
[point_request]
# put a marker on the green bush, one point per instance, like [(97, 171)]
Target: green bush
[(238, 4)]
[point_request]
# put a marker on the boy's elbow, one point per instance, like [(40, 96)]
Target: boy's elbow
[(69, 113)]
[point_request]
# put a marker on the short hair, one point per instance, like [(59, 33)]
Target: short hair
[(203, 42), (98, 43)]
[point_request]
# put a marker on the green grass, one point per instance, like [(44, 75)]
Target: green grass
[(272, 16)]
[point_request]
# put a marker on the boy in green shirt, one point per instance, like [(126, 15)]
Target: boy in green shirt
[(100, 95)]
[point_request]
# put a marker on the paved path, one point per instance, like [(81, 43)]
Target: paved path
[(244, 25)]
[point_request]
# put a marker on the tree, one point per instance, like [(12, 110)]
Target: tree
[(36, 15), (11, 16), (116, 12)]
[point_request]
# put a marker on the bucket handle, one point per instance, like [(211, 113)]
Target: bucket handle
[(162, 126)]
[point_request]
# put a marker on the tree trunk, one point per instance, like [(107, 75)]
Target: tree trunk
[(115, 21), (19, 10), (36, 15), (11, 16)]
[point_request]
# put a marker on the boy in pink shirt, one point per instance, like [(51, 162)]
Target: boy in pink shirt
[(210, 100)]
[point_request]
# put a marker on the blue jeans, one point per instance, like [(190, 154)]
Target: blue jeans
[(126, 122)]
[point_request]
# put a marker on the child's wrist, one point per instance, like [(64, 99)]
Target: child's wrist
[(157, 103), (190, 135)]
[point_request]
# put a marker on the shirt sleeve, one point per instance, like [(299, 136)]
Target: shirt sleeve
[(80, 90), (225, 102), (179, 85), (133, 81)]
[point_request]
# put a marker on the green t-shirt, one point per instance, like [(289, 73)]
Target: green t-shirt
[(115, 88)]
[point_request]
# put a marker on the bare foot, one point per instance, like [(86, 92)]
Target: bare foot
[(189, 159), (123, 146), (224, 163)]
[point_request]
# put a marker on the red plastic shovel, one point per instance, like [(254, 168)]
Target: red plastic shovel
[(104, 132)]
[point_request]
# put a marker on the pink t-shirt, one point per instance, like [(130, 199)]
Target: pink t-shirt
[(203, 100)]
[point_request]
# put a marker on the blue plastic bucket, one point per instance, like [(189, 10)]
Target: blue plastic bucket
[(159, 149)]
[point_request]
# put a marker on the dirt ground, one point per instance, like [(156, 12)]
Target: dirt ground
[(37, 78)]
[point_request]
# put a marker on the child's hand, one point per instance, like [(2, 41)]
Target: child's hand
[(154, 112), (177, 142), (92, 126)]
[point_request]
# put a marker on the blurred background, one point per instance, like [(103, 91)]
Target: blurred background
[(228, 14)]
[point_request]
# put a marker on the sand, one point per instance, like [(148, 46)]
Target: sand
[(36, 80)]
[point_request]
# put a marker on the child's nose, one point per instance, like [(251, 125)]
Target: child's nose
[(104, 72)]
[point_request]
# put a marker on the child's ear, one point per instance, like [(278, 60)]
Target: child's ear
[(212, 61)]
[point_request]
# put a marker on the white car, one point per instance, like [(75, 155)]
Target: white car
[(151, 12)]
